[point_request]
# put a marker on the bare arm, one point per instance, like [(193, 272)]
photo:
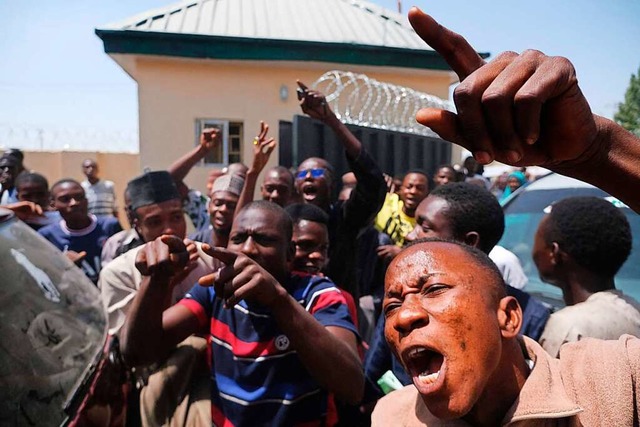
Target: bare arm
[(262, 149), (209, 138), (527, 109), (152, 328), (26, 211), (329, 353)]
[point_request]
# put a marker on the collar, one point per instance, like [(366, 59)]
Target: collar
[(543, 394), (131, 235), (82, 232)]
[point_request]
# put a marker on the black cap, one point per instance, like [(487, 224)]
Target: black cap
[(15, 152), (8, 160), (151, 188)]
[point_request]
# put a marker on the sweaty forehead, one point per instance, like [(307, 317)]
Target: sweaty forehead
[(445, 259), (275, 177), (66, 187)]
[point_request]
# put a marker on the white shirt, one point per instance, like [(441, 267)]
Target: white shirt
[(509, 266)]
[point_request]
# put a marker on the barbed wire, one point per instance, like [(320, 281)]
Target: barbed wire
[(50, 138), (360, 100)]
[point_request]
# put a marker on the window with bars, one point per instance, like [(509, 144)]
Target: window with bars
[(230, 150)]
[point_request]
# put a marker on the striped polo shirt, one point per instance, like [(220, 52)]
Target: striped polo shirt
[(257, 377)]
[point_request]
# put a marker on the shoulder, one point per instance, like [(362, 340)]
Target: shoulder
[(599, 306), (122, 267), (109, 224), (498, 253), (397, 408), (305, 287), (617, 300), (50, 230), (603, 377)]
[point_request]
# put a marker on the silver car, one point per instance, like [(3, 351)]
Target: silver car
[(524, 210)]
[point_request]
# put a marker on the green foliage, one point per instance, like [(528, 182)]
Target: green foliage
[(628, 115)]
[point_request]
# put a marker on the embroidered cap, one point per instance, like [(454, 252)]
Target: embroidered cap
[(151, 188), (229, 182)]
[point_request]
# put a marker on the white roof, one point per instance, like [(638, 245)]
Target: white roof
[(328, 21)]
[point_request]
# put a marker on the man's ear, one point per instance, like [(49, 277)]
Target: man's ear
[(509, 317), (558, 256), (135, 222), (472, 238)]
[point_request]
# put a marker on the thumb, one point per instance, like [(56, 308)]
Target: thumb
[(442, 122)]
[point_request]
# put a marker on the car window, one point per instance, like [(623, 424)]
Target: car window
[(522, 216), (52, 325)]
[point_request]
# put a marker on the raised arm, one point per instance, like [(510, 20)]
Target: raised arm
[(152, 328), (329, 353), (368, 195), (314, 104), (527, 109), (262, 149), (209, 138)]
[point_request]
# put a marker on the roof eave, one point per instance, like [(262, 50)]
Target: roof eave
[(244, 48)]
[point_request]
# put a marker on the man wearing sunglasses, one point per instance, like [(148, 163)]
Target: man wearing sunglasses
[(315, 180)]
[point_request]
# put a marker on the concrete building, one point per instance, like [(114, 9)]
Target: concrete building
[(233, 63)]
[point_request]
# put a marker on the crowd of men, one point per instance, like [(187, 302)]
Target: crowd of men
[(308, 309)]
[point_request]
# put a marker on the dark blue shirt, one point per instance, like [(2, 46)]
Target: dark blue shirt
[(90, 240)]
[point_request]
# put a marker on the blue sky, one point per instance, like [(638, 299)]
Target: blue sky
[(55, 73)]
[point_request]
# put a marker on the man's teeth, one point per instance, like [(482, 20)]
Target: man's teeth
[(427, 378), (416, 351)]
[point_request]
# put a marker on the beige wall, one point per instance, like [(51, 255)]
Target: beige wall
[(116, 167), (173, 93)]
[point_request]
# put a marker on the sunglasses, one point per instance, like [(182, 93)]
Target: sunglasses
[(315, 173)]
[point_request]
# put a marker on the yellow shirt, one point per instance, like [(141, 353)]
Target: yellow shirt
[(393, 221)]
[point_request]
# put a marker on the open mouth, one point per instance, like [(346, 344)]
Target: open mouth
[(425, 367), (309, 191)]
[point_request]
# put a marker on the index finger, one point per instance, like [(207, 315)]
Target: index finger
[(174, 243), (226, 256), (454, 48)]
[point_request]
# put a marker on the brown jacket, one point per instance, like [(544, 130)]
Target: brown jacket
[(594, 383)]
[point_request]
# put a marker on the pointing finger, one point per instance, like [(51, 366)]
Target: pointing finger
[(226, 256), (174, 243), (458, 53)]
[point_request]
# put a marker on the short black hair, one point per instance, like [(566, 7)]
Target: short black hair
[(285, 219), (307, 211), (31, 177), (472, 208), (65, 181), (592, 231), (446, 166), (481, 257), (416, 171)]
